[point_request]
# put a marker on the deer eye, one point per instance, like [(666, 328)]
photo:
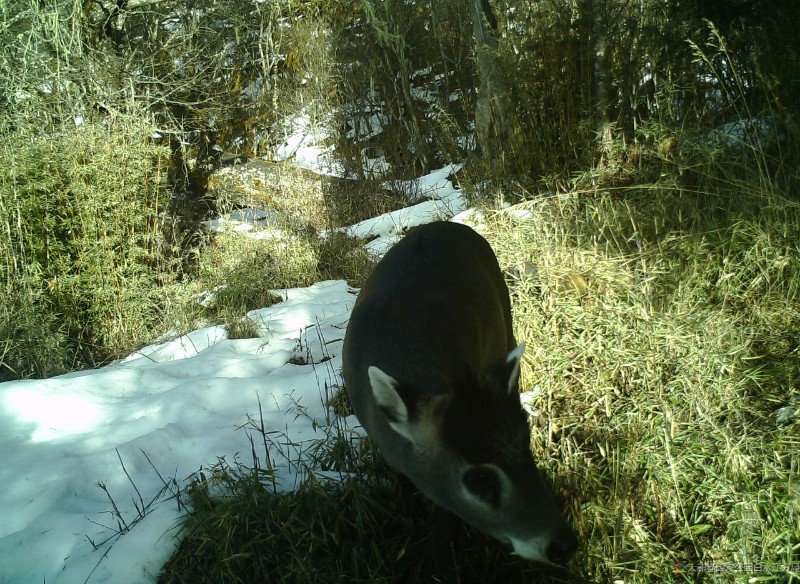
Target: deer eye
[(484, 483)]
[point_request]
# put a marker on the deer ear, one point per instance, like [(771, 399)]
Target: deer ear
[(503, 375), (384, 390), (512, 363)]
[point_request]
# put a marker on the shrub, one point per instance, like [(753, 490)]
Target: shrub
[(81, 238)]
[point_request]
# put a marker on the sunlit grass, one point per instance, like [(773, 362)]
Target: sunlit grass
[(659, 375)]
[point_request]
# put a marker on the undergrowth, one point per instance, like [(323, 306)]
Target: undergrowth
[(84, 261), (662, 337)]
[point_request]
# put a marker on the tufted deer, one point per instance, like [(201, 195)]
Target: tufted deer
[(432, 369)]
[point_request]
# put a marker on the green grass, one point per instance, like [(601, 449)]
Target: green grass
[(660, 378), (84, 261)]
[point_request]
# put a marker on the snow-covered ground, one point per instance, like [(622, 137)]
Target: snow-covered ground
[(74, 447), (162, 413)]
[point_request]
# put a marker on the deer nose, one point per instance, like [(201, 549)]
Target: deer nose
[(560, 551)]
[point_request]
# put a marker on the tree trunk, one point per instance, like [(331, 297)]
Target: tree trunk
[(601, 76), (491, 108)]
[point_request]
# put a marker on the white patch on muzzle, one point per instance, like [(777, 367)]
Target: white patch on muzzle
[(533, 548)]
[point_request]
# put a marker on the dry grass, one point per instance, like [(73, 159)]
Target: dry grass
[(292, 194), (656, 387)]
